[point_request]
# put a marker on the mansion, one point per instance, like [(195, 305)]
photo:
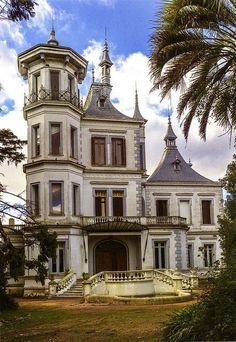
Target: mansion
[(86, 176)]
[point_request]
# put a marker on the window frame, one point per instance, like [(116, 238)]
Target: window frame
[(206, 262), (51, 213), (114, 154), (93, 154), (123, 202), (167, 253), (211, 212), (51, 123), (74, 143), (34, 140), (106, 204), (35, 212), (190, 255), (57, 259), (167, 206), (56, 95), (76, 204), (190, 208)]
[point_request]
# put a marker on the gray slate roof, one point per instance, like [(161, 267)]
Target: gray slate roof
[(165, 171), (173, 167), (93, 110)]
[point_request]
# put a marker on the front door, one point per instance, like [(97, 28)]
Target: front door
[(110, 256)]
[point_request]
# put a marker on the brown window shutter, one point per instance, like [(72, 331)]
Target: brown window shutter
[(124, 152), (92, 151)]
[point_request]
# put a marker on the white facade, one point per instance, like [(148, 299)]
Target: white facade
[(86, 177)]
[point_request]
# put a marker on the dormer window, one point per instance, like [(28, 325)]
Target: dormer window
[(176, 164), (101, 101)]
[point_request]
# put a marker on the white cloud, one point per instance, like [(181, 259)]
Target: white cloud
[(11, 31), (107, 3), (43, 17)]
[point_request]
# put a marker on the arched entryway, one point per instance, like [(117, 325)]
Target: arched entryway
[(110, 255)]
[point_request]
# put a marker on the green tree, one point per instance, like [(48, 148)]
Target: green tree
[(11, 147), (12, 258), (193, 48), (16, 10)]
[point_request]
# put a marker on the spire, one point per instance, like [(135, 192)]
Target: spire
[(106, 62), (137, 115), (52, 40), (170, 136)]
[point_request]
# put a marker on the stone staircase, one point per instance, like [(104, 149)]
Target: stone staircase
[(76, 290)]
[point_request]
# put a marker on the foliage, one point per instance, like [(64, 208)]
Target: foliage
[(193, 48), (11, 147), (214, 317), (16, 10)]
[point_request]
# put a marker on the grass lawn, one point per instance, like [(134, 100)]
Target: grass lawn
[(68, 321)]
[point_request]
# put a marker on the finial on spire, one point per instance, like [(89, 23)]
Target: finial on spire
[(137, 115), (170, 136), (190, 163), (52, 39), (93, 77), (105, 63)]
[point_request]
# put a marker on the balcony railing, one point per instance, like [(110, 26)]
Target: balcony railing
[(147, 220), (48, 95)]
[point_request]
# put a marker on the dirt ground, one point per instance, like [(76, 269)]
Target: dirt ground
[(67, 320)]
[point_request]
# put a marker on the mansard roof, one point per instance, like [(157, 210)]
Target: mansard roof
[(173, 167)]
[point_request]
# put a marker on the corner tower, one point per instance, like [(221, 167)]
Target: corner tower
[(53, 112)]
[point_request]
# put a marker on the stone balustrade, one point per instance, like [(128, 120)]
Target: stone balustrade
[(137, 283), (57, 288)]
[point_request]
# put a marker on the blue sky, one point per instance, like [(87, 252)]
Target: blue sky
[(80, 24)]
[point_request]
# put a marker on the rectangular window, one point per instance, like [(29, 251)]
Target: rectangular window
[(206, 212), (118, 203), (58, 264), (98, 151), (73, 142), (56, 198), (55, 139), (70, 87), (35, 141), (161, 208), (160, 254), (36, 85), (100, 203), (35, 199), (190, 255), (75, 200), (54, 80), (208, 255), (184, 210), (118, 152)]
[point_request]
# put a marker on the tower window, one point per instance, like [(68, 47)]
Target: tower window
[(118, 152), (58, 263), (75, 199), (100, 203), (142, 156), (54, 80), (70, 86), (98, 151), (36, 79), (35, 140), (35, 199), (55, 138), (73, 142), (162, 208), (56, 198), (190, 255)]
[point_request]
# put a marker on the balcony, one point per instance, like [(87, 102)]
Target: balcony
[(130, 223), (47, 95)]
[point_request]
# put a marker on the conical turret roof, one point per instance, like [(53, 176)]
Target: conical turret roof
[(173, 167), (137, 115)]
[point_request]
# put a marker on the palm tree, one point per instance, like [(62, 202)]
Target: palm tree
[(193, 48)]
